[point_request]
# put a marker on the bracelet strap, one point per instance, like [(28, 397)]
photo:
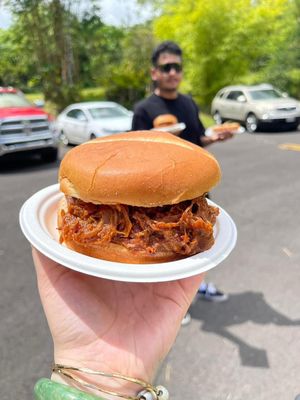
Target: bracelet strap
[(45, 389), (148, 392)]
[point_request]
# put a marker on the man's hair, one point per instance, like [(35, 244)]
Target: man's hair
[(165, 47)]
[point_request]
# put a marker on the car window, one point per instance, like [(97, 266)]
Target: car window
[(13, 100), (234, 94), (108, 112), (266, 94), (77, 114), (221, 93)]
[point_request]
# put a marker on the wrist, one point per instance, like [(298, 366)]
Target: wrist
[(206, 140), (112, 386), (134, 368)]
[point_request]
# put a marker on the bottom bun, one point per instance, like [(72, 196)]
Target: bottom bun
[(119, 253)]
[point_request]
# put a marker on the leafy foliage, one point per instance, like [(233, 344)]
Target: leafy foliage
[(228, 41), (128, 81), (53, 47)]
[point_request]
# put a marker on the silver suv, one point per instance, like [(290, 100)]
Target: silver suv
[(258, 106)]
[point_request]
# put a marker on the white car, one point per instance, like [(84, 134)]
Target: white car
[(258, 106), (81, 122)]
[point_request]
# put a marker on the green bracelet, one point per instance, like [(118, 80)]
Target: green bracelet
[(45, 389)]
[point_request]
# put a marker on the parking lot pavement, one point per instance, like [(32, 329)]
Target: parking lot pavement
[(246, 348)]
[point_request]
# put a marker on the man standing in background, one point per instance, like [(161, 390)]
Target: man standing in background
[(166, 74)]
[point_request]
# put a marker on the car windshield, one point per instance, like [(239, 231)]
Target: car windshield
[(13, 100), (108, 112), (266, 94)]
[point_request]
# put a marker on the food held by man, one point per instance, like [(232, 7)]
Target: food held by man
[(138, 197), (165, 120), (227, 127)]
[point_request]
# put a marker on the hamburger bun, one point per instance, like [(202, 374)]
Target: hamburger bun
[(227, 127), (139, 168), (164, 120)]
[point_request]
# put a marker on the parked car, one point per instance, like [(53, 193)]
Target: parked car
[(25, 127), (256, 107), (80, 122)]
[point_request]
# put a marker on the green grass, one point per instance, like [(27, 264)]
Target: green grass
[(92, 94), (207, 120), (34, 96)]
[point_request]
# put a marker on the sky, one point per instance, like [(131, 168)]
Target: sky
[(114, 12)]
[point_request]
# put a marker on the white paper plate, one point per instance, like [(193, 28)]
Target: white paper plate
[(38, 220), (210, 131), (176, 128)]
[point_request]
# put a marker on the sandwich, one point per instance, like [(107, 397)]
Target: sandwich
[(227, 127), (137, 197), (165, 120), (168, 123)]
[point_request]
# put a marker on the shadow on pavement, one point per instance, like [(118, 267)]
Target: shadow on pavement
[(238, 309)]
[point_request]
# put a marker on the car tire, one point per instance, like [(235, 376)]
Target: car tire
[(251, 123), (92, 136), (49, 155), (293, 127), (63, 138), (217, 117)]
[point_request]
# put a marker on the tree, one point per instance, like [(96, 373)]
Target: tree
[(225, 41), (99, 49), (46, 33), (284, 67), (128, 81), (15, 69)]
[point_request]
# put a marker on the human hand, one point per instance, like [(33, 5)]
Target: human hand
[(109, 325), (222, 132), (218, 133), (221, 136)]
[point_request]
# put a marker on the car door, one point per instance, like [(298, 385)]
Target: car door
[(69, 125), (76, 126), (82, 134), (235, 105)]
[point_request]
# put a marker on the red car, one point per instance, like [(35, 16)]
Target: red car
[(25, 127)]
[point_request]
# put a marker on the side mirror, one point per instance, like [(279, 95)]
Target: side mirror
[(241, 99), (39, 103), (285, 94)]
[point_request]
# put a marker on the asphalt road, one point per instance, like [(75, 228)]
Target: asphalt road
[(246, 348)]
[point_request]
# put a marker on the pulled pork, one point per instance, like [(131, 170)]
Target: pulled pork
[(184, 229)]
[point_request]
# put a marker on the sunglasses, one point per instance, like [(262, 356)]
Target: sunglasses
[(169, 66)]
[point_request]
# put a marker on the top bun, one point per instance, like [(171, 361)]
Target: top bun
[(164, 120), (141, 168)]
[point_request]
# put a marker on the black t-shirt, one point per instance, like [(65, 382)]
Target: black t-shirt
[(183, 107)]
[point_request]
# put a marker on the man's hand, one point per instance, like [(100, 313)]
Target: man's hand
[(109, 325), (217, 136)]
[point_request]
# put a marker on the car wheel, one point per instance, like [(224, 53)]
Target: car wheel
[(292, 127), (49, 155), (92, 136), (217, 117), (251, 123), (63, 138)]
